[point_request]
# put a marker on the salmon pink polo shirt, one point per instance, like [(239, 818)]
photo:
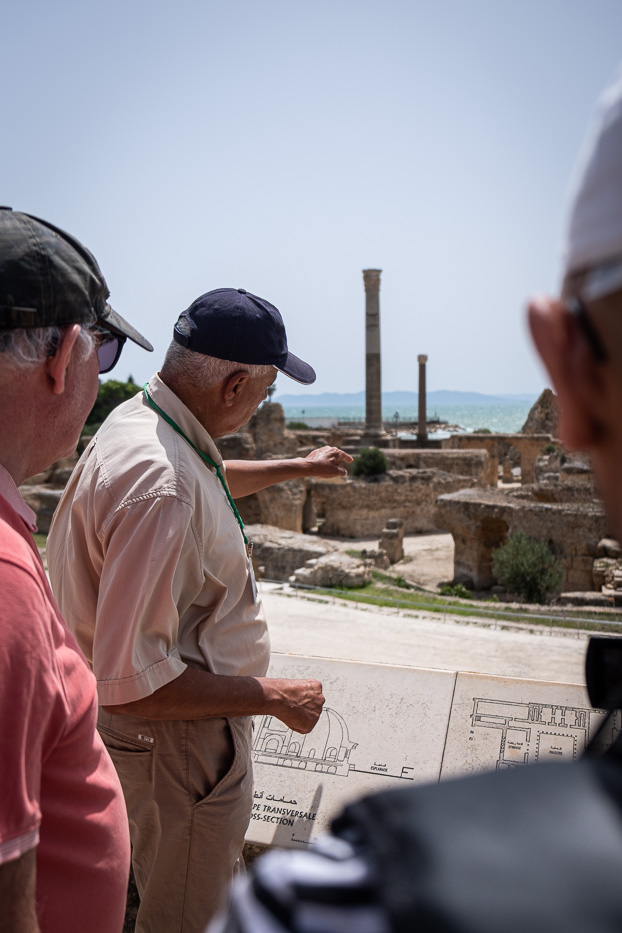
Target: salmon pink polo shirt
[(59, 791)]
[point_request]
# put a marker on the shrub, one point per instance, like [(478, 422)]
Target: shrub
[(457, 589), (527, 568), (549, 449), (483, 431), (297, 426), (109, 395), (369, 462)]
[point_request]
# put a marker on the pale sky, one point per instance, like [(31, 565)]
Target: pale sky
[(283, 147)]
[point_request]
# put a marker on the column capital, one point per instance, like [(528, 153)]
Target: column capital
[(422, 358), (371, 278)]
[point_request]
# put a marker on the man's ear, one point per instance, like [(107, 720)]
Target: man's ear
[(575, 374), (58, 364), (233, 387)]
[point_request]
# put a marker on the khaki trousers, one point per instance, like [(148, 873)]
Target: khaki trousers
[(188, 791)]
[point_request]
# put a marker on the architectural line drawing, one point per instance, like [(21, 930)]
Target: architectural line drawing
[(326, 748), (530, 732)]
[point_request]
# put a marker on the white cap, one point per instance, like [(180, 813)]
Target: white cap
[(594, 230)]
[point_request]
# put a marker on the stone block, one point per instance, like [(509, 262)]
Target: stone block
[(334, 570), (279, 553), (609, 547), (392, 539)]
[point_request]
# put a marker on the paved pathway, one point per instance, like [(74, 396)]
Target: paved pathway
[(333, 629)]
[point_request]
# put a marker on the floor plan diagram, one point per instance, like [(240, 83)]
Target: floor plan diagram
[(529, 732)]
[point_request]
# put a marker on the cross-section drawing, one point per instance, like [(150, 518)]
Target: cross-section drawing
[(537, 732), (326, 748)]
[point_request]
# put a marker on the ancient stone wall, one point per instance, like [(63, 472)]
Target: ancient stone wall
[(528, 447), (360, 507), (481, 521), (474, 463)]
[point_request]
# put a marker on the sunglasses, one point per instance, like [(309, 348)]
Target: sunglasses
[(109, 348)]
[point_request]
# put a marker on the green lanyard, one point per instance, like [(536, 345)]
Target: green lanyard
[(203, 456)]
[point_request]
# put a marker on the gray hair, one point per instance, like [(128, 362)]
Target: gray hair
[(27, 347), (203, 372)]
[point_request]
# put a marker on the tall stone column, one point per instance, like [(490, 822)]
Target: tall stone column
[(374, 431), (422, 421)]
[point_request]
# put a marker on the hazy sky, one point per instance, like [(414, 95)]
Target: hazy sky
[(283, 146)]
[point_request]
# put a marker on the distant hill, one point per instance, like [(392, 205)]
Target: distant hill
[(389, 399)]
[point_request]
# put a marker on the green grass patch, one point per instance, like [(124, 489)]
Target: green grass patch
[(388, 595), (40, 540)]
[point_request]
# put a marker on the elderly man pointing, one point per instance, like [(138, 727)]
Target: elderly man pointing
[(151, 564)]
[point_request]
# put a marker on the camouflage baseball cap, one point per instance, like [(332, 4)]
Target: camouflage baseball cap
[(47, 278)]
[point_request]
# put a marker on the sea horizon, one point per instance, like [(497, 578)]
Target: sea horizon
[(468, 411)]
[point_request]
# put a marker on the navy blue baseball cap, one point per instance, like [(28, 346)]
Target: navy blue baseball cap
[(231, 324)]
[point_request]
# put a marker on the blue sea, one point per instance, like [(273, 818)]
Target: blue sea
[(503, 419)]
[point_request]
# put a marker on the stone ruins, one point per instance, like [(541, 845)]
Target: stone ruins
[(479, 487)]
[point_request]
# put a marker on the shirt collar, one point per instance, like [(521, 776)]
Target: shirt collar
[(10, 492), (183, 417)]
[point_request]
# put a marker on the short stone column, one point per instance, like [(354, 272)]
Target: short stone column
[(374, 431), (422, 421), (392, 539)]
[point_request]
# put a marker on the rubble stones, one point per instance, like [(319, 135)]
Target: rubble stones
[(277, 553), (334, 570), (609, 547), (377, 556)]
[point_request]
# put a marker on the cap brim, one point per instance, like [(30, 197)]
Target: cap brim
[(114, 322), (297, 370)]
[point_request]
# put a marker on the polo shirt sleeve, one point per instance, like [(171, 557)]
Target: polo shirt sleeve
[(32, 706), (151, 564)]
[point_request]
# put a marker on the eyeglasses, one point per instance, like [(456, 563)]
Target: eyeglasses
[(108, 345), (576, 307), (109, 348)]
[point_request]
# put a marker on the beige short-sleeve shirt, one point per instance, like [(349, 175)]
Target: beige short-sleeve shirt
[(147, 559)]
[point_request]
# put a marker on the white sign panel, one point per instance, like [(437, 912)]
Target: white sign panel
[(499, 723), (381, 727)]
